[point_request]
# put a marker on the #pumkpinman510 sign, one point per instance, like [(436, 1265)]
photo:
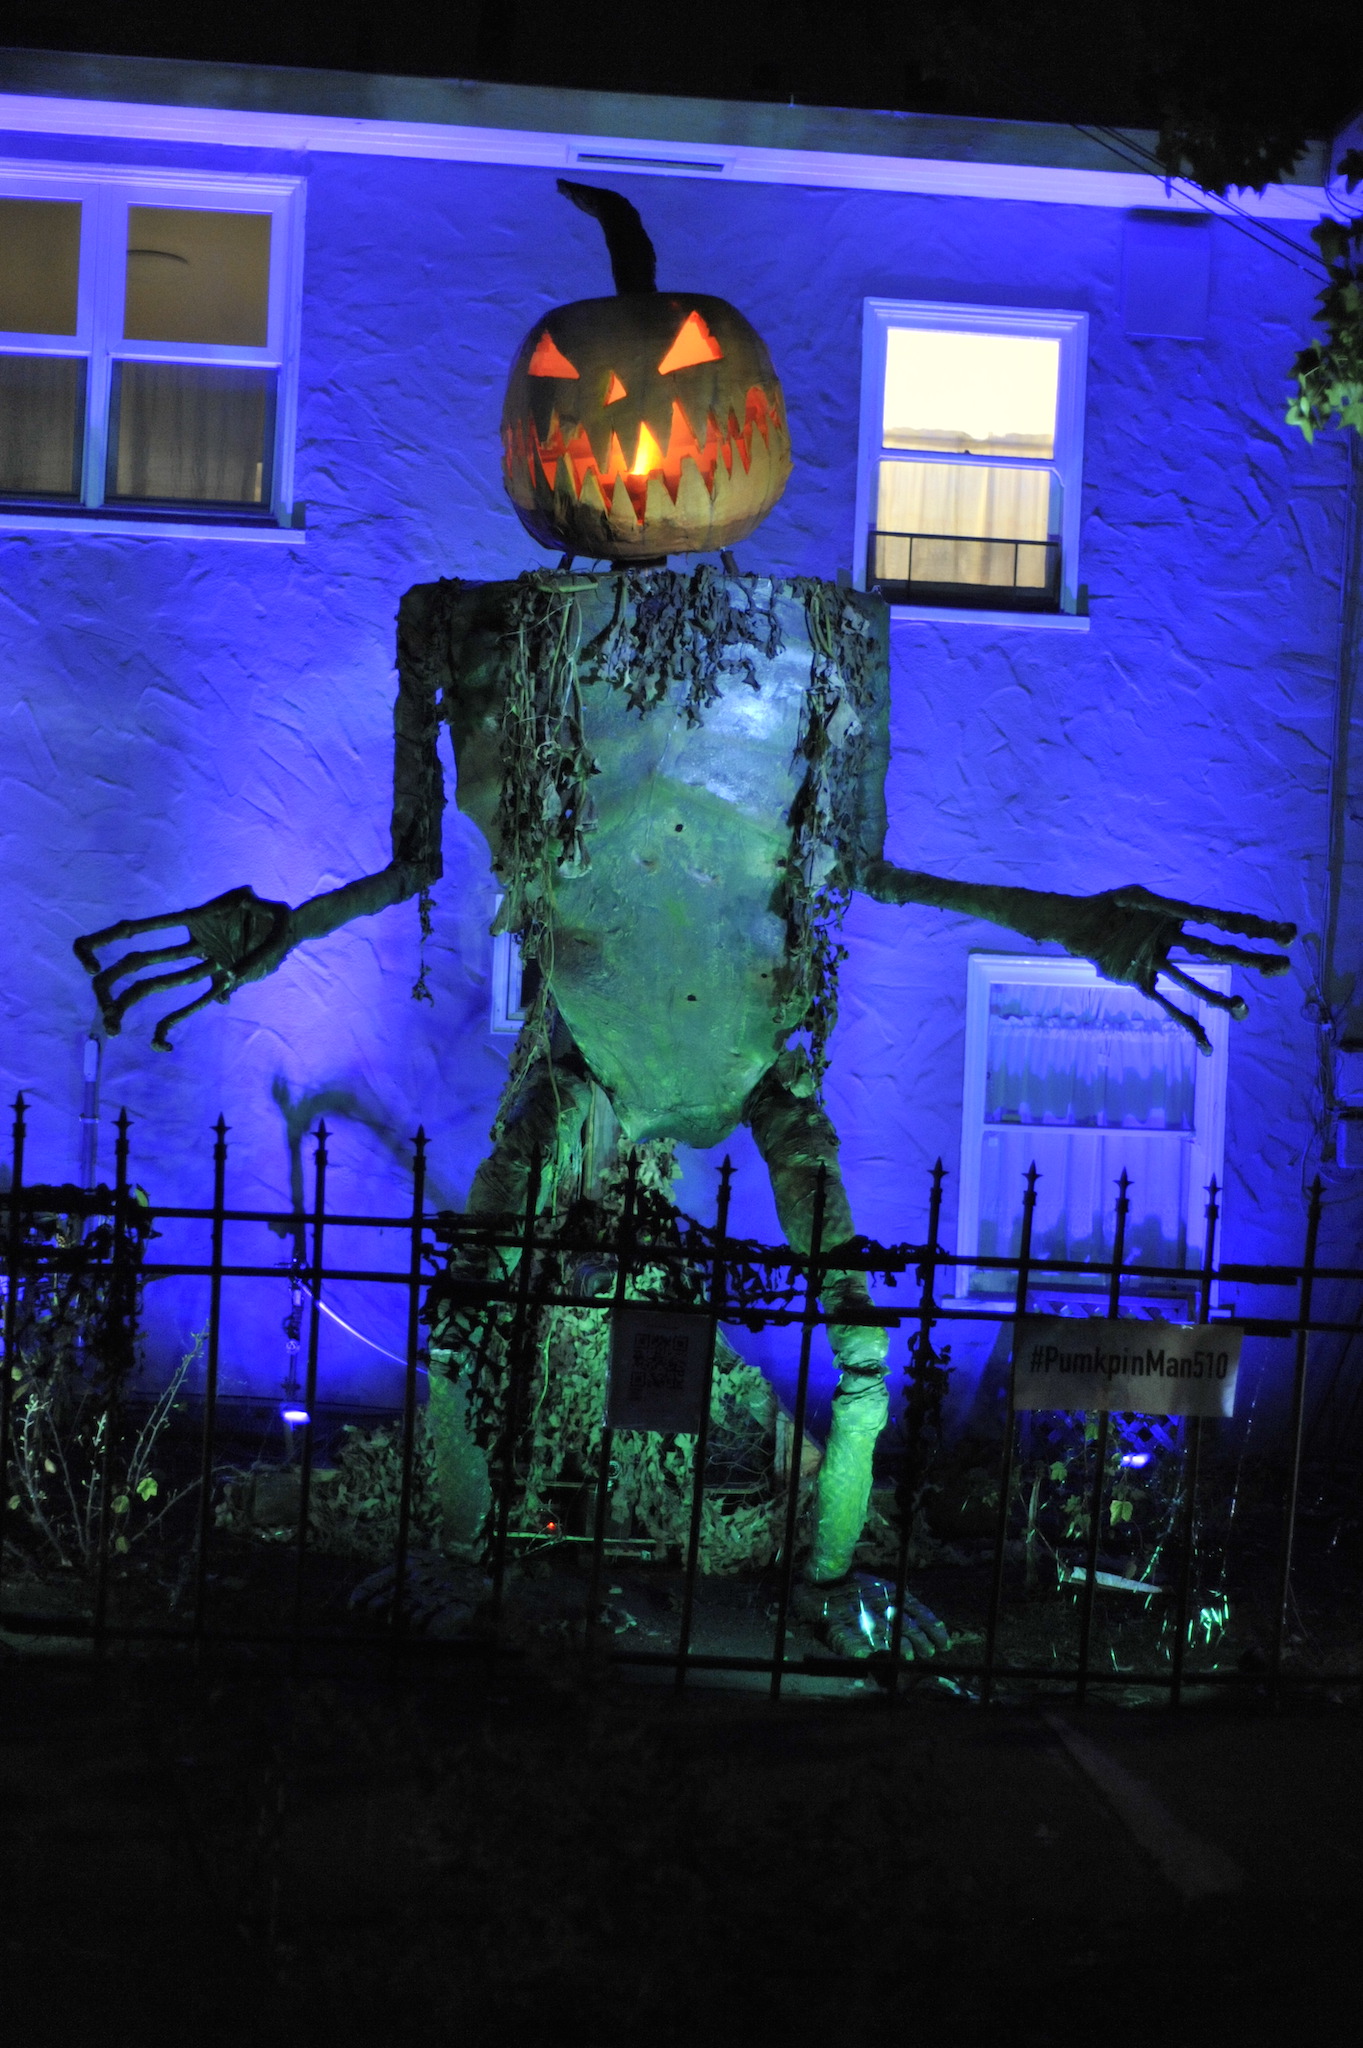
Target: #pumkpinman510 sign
[(1125, 1366)]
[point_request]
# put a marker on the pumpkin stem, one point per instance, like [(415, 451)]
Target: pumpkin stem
[(634, 262)]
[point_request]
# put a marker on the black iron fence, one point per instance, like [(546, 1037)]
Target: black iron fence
[(88, 1255)]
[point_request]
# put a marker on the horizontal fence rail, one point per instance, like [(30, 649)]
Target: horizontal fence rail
[(517, 1267)]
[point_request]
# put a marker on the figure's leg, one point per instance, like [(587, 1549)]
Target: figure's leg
[(796, 1138), (545, 1111)]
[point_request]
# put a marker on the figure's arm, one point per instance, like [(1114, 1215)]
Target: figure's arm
[(239, 937), (1126, 933)]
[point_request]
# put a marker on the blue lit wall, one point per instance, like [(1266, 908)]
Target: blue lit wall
[(180, 716)]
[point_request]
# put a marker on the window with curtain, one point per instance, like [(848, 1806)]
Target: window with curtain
[(970, 451), (147, 337), (1085, 1080), (515, 984)]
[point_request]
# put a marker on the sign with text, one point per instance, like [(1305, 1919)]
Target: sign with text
[(1127, 1367), (658, 1362)]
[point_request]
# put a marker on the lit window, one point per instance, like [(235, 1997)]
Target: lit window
[(513, 986), (1085, 1078), (147, 342), (968, 489)]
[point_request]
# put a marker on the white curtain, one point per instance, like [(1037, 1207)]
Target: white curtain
[(191, 432), (40, 421), (951, 498), (1085, 1082)]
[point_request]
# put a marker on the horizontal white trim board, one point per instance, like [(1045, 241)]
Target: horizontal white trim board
[(740, 163), (1002, 621), (94, 526)]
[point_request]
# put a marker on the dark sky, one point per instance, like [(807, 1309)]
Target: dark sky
[(1202, 69)]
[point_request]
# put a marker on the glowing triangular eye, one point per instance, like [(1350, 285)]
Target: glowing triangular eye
[(694, 344), (549, 359), (615, 390)]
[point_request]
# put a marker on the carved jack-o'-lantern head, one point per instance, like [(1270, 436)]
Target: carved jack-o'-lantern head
[(644, 425)]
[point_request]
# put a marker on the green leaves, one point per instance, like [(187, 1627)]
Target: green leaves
[(1329, 373)]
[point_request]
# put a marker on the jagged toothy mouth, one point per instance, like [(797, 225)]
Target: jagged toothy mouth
[(568, 458)]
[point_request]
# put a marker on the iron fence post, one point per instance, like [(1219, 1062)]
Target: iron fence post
[(717, 1284), (319, 1197), (1192, 1465), (397, 1613), (927, 1315), (13, 1246), (211, 1377), (519, 1338), (991, 1631), (118, 1328), (1308, 1276), (1089, 1591), (808, 1320), (624, 1265)]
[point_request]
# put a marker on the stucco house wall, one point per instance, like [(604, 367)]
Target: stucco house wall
[(180, 715)]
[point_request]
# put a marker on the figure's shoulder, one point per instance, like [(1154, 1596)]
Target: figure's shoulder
[(849, 633), (446, 611)]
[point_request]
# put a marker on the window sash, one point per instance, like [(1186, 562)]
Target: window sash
[(105, 196), (1169, 1168), (1063, 468)]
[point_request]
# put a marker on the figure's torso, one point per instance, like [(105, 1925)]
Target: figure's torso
[(667, 952)]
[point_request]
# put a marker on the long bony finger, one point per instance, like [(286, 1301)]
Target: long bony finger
[(160, 1038), (87, 948), (115, 1010), (137, 963), (1189, 1024), (1221, 955), (1218, 1000), (1242, 921)]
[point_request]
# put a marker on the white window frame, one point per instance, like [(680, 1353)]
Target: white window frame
[(1071, 330), (1207, 1139), (105, 194), (507, 1014)]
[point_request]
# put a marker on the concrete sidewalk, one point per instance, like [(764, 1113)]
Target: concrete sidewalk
[(232, 1860)]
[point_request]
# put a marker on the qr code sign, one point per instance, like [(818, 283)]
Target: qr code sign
[(658, 1370), (657, 1364)]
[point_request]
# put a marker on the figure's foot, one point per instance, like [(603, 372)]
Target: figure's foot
[(439, 1599), (856, 1618)]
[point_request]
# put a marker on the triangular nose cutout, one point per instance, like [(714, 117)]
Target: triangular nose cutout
[(615, 390), (549, 359), (693, 344)]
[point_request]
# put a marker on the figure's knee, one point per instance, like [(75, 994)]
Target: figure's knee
[(860, 1349), (861, 1400), (798, 1144), (552, 1095)]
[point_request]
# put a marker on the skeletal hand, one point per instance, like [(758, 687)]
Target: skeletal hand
[(237, 937), (1127, 934)]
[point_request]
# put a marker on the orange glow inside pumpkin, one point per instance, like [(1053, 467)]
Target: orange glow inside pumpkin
[(615, 390), (648, 456), (525, 449), (693, 343), (549, 359)]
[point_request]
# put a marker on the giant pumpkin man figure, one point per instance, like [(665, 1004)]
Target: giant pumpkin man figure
[(680, 778)]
